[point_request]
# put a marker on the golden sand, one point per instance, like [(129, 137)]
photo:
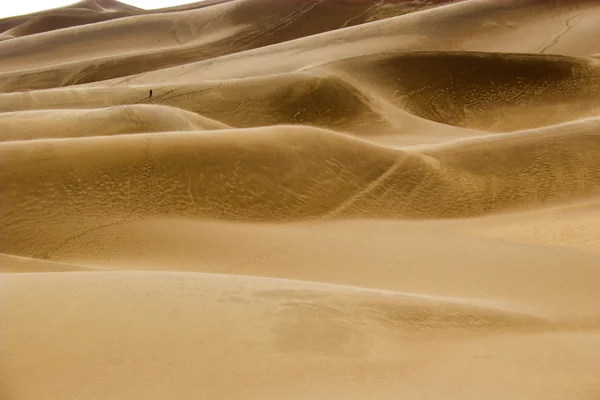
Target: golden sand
[(301, 199)]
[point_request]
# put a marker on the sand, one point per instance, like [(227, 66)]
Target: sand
[(303, 199)]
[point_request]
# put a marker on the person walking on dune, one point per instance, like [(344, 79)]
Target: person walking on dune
[(150, 93)]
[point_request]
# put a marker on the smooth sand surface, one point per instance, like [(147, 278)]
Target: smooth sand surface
[(302, 199)]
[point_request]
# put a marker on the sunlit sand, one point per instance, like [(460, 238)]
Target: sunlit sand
[(301, 199)]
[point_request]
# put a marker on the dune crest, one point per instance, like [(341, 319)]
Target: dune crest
[(138, 118), (301, 199)]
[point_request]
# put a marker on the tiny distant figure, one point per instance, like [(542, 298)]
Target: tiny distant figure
[(150, 92)]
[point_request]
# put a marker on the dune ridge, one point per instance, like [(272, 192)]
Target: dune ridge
[(143, 118), (287, 174), (439, 29), (81, 13), (15, 264), (277, 317), (372, 94), (206, 33), (303, 199)]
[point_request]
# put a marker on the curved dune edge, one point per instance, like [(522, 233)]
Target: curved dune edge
[(65, 123), (494, 92), (167, 59), (297, 98), (60, 20), (379, 94), (507, 158), (199, 33), (82, 13), (301, 199), (437, 312), (87, 5), (15, 264), (196, 318), (283, 174), (394, 255), (440, 29), (77, 14)]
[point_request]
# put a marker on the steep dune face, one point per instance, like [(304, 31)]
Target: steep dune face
[(483, 25), (69, 45), (185, 37), (281, 173), (52, 22), (371, 95), (81, 13), (485, 91), (301, 199), (299, 98)]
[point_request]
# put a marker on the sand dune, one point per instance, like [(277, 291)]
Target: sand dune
[(485, 91), (318, 324), (292, 98), (166, 39), (81, 185), (301, 199), (81, 6), (11, 263), (29, 125), (371, 95), (225, 328), (81, 13), (493, 27)]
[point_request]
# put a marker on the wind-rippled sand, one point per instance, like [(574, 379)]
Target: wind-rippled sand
[(301, 199)]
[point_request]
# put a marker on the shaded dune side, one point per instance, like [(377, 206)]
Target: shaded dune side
[(486, 91), (47, 124), (60, 20), (277, 174), (283, 22), (299, 98), (372, 95), (153, 32), (464, 26), (81, 13), (84, 5), (189, 36)]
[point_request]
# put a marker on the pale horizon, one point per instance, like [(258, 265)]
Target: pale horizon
[(25, 7)]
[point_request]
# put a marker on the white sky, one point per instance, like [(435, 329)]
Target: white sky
[(8, 8)]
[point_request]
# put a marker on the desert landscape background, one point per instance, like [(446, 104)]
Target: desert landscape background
[(301, 199)]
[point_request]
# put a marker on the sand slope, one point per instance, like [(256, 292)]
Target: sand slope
[(81, 13), (48, 124), (301, 200), (371, 95), (493, 27), (283, 334), (165, 39)]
